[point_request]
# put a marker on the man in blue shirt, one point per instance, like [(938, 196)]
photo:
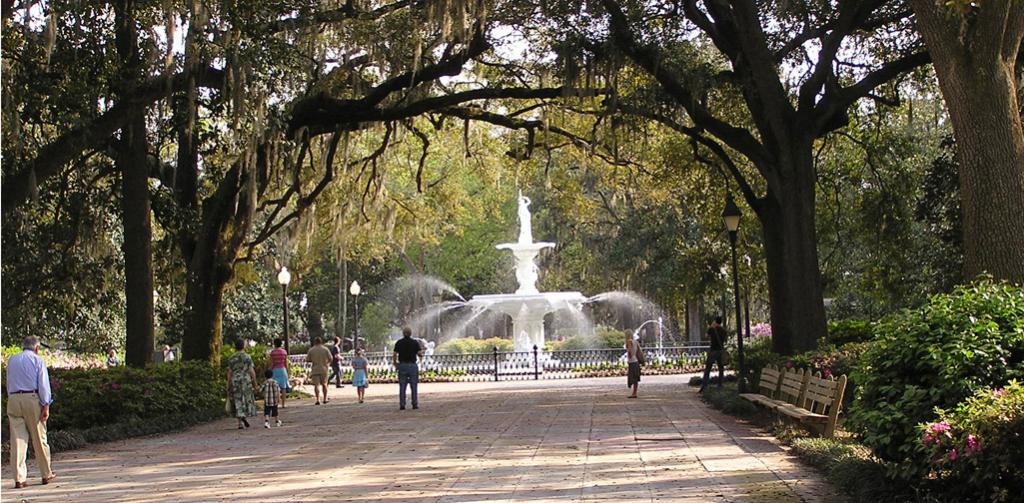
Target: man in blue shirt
[(28, 408)]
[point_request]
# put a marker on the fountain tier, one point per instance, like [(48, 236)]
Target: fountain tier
[(527, 312)]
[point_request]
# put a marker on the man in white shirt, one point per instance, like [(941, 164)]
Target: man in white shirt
[(28, 408)]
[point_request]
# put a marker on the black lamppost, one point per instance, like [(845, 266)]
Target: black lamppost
[(284, 277), (355, 290), (731, 215)]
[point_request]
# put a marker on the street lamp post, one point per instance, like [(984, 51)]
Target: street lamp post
[(731, 216), (355, 290), (284, 277)]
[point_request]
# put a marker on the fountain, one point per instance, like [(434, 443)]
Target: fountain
[(528, 306)]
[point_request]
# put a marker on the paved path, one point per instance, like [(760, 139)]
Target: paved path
[(572, 440)]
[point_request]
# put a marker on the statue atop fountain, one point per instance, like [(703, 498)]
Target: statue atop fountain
[(525, 225)]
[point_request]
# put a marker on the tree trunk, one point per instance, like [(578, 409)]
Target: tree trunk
[(791, 256), (990, 151), (204, 301), (974, 57), (131, 161), (138, 235)]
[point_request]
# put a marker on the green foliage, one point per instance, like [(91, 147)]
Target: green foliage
[(253, 310), (63, 359), (469, 345), (843, 332), (727, 399), (604, 338), (375, 324), (935, 356), (848, 466), (756, 355), (977, 448), (85, 399)]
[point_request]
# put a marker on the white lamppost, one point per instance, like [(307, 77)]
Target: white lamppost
[(355, 290), (284, 277)]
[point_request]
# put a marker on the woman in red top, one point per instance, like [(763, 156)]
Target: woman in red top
[(279, 364)]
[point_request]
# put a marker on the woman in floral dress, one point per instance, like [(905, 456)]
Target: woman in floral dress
[(241, 383)]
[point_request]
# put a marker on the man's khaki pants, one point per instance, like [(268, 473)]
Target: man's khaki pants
[(23, 411)]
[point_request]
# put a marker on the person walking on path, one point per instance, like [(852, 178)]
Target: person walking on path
[(716, 352), (336, 363), (320, 358), (359, 377), (633, 357), (407, 352), (28, 408), (279, 365), (271, 392), (242, 384)]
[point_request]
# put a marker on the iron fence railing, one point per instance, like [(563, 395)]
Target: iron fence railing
[(523, 365)]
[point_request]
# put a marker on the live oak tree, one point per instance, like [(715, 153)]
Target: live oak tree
[(976, 50), (796, 68), (253, 120)]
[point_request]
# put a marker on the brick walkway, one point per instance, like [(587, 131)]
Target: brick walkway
[(572, 440)]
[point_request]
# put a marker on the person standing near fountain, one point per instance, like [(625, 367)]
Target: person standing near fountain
[(716, 337), (406, 355), (633, 357)]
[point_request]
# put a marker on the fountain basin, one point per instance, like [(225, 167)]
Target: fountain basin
[(527, 312)]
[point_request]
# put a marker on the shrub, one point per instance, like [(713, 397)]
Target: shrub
[(848, 466), (978, 446), (756, 355), (469, 345), (58, 359), (85, 399), (727, 399), (848, 331), (935, 356)]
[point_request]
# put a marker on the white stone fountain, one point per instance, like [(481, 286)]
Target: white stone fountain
[(527, 306)]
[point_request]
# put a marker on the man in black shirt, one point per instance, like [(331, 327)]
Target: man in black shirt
[(336, 363), (407, 353), (716, 336)]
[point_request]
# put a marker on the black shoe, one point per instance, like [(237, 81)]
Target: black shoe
[(401, 408), (415, 406), (246, 423)]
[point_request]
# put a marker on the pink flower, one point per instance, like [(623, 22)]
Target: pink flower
[(953, 454), (973, 446), (115, 386), (998, 392), (939, 427), (928, 439), (826, 373), (789, 365)]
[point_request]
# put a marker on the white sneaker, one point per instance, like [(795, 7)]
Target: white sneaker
[(266, 424), (279, 423)]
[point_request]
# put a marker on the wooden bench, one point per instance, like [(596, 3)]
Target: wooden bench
[(809, 399), (767, 387)]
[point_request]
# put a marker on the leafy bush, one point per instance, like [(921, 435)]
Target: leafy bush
[(603, 338), (84, 399), (848, 466), (757, 354), (935, 356), (848, 331), (977, 448), (470, 345), (297, 348), (727, 399), (58, 359)]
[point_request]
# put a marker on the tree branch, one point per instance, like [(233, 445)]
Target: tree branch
[(91, 136)]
